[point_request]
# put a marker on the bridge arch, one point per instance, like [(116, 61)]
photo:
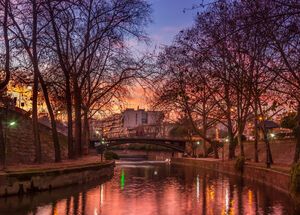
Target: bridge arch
[(176, 145)]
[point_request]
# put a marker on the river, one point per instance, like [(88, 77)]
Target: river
[(150, 188)]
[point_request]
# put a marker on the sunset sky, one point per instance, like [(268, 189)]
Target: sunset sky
[(168, 18)]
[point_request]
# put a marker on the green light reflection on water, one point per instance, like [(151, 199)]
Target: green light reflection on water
[(122, 179)]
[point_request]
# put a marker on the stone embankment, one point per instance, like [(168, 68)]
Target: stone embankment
[(277, 177), (19, 180), (19, 139)]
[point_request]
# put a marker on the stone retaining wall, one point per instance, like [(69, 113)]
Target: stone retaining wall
[(23, 182), (276, 179), (20, 143)]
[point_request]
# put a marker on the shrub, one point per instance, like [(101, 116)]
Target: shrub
[(109, 155), (239, 164)]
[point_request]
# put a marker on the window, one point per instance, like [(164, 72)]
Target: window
[(145, 118)]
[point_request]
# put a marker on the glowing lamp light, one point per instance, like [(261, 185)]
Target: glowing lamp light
[(198, 142), (272, 135), (12, 123)]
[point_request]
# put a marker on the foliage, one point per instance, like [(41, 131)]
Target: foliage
[(179, 131), (289, 121), (109, 155), (239, 164), (182, 129)]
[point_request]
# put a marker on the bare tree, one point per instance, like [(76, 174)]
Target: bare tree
[(82, 35), (27, 26), (6, 69), (184, 87)]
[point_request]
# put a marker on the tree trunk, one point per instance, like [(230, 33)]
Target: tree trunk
[(77, 109), (34, 61), (66, 71), (205, 135), (231, 146), (256, 156), (297, 148), (57, 153), (2, 141), (240, 142), (86, 131), (39, 77), (70, 119), (215, 148), (35, 125), (4, 83)]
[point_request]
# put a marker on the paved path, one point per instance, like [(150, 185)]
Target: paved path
[(87, 160), (277, 167)]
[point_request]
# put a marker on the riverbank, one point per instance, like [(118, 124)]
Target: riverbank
[(277, 176), (23, 179)]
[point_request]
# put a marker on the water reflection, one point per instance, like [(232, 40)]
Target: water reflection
[(122, 179), (156, 189)]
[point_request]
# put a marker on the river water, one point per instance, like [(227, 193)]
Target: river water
[(150, 188)]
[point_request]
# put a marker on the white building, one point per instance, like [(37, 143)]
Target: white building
[(129, 122), (133, 118)]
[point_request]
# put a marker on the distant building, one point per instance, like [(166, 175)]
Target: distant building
[(133, 118), (129, 123)]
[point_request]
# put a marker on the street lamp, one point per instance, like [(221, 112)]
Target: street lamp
[(12, 123)]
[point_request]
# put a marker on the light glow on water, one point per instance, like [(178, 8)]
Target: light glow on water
[(198, 188), (156, 188)]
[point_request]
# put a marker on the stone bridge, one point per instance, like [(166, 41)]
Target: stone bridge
[(174, 144)]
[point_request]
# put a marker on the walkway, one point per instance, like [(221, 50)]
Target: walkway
[(84, 161), (284, 168)]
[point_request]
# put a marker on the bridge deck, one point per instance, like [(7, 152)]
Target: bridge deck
[(175, 144)]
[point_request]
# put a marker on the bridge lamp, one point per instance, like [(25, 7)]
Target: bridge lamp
[(198, 142), (272, 135)]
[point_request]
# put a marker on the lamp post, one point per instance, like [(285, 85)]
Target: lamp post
[(266, 139)]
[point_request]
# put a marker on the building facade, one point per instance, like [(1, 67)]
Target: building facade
[(129, 123)]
